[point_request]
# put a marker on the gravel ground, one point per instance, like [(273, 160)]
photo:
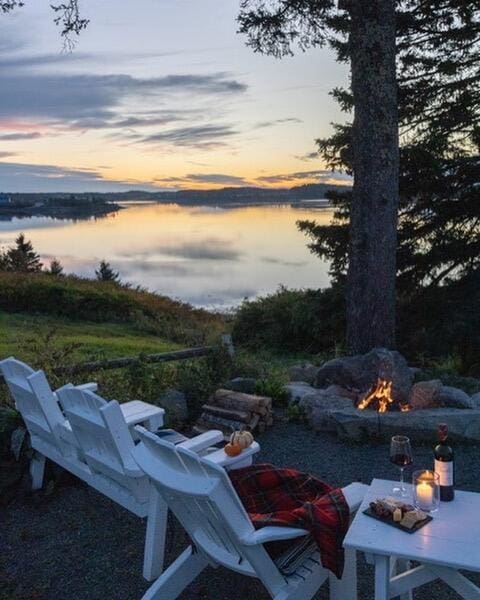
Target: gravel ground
[(75, 543)]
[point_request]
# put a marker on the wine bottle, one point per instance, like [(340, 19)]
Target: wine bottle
[(444, 464)]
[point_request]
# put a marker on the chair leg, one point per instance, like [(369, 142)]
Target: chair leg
[(37, 469), (178, 575), (346, 587), (154, 553)]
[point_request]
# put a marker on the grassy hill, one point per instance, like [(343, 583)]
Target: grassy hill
[(71, 300)]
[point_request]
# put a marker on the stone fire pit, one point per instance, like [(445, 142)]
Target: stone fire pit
[(330, 394)]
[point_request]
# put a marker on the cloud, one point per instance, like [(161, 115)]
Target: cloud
[(209, 249), (196, 136), (308, 156), (285, 263), (25, 177), (214, 178), (13, 137), (321, 176), (7, 154), (206, 249), (262, 124)]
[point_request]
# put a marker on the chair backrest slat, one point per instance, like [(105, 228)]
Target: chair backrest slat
[(35, 400), (101, 432)]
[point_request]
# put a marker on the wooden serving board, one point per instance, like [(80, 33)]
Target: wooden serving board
[(369, 512)]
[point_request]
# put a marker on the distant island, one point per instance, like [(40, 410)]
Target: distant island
[(88, 205), (230, 195)]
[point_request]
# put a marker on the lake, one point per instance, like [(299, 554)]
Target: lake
[(208, 256)]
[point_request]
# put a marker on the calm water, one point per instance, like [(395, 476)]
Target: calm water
[(207, 256)]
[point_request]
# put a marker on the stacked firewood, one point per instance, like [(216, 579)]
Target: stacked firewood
[(234, 411)]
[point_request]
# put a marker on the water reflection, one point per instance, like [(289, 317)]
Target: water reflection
[(207, 256)]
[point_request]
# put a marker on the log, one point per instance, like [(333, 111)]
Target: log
[(212, 421), (227, 413), (119, 363), (240, 401)]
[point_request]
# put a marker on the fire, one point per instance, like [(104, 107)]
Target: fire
[(382, 393)]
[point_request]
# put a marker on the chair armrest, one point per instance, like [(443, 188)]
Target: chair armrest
[(92, 386), (231, 462), (202, 441), (272, 534), (354, 493)]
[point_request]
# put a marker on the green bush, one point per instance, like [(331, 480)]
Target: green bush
[(274, 388), (309, 321)]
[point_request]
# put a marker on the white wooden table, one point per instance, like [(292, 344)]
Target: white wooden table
[(137, 411), (448, 543)]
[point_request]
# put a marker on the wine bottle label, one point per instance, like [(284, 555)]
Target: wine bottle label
[(444, 471)]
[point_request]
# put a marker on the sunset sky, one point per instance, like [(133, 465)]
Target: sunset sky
[(157, 94)]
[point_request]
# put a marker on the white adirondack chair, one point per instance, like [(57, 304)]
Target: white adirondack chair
[(203, 499), (107, 445), (16, 373), (49, 431)]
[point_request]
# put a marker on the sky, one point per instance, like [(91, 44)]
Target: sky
[(157, 94)]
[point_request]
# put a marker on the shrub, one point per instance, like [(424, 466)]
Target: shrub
[(292, 320)]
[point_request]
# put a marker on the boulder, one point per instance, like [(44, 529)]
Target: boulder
[(297, 390), (175, 404), (362, 371), (475, 400), (337, 390), (357, 425), (320, 400), (423, 394), (453, 398), (306, 372), (245, 385)]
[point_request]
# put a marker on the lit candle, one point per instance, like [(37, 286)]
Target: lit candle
[(424, 494)]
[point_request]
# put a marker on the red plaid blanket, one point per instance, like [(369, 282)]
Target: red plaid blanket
[(287, 497)]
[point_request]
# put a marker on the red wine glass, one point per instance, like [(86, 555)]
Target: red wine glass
[(400, 455)]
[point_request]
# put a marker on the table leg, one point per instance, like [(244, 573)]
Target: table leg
[(382, 577), (154, 423), (404, 565)]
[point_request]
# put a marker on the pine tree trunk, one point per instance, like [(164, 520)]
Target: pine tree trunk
[(373, 220)]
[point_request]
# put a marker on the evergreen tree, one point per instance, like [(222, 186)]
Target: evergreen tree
[(438, 76), (273, 27), (55, 268), (106, 273), (22, 258), (438, 66)]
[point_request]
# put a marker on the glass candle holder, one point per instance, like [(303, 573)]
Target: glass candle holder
[(426, 490)]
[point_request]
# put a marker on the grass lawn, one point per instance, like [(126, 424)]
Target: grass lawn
[(21, 334)]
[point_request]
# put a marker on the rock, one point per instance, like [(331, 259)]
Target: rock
[(337, 390), (423, 394), (246, 385), (175, 403), (320, 400), (475, 400), (362, 371), (297, 390), (306, 372), (357, 425), (453, 398)]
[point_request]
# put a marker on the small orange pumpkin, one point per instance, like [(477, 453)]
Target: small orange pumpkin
[(232, 449)]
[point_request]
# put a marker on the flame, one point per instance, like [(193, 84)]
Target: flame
[(382, 393)]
